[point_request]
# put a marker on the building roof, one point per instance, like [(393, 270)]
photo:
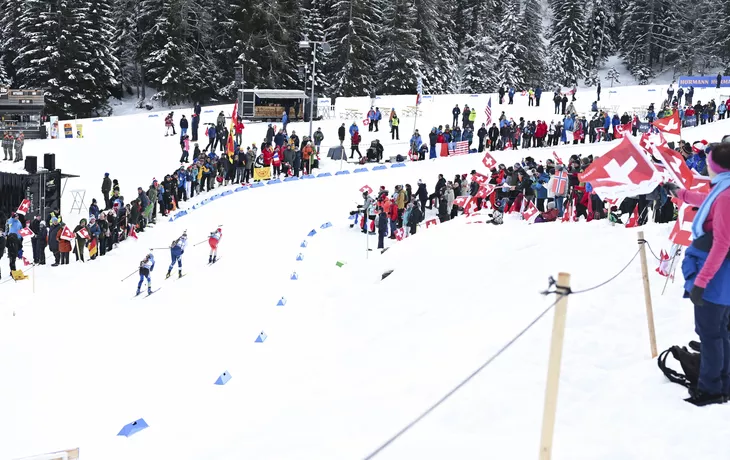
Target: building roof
[(277, 93)]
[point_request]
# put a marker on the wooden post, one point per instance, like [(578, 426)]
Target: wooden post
[(647, 296), (553, 377)]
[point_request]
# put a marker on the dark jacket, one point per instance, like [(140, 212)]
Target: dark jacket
[(52, 241), (183, 122), (422, 192), (383, 222), (341, 133), (106, 185)]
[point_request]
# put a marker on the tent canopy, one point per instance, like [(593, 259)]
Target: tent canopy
[(278, 93)]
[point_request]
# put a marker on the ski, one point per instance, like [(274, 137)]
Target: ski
[(153, 291), (216, 260)]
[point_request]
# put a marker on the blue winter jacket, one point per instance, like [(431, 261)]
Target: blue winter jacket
[(13, 225), (718, 289), (211, 132), (568, 124), (468, 135), (538, 92), (697, 162), (541, 189), (511, 91), (616, 121), (181, 179), (284, 119), (457, 135), (417, 141), (353, 129), (607, 123)]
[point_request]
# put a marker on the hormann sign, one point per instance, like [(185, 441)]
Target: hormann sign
[(704, 82)]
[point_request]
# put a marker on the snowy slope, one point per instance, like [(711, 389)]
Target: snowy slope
[(350, 359)]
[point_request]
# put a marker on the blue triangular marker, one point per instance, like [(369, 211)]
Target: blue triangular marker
[(171, 220), (324, 174), (308, 176), (361, 170), (352, 217), (379, 167), (241, 189), (397, 165), (223, 378), (304, 244), (257, 185), (261, 338), (294, 276), (275, 181), (312, 233), (131, 428), (227, 192), (290, 179), (326, 225), (342, 173), (300, 257), (281, 302)]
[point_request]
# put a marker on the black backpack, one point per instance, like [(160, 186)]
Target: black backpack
[(689, 361)]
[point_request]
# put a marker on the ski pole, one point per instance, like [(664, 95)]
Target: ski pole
[(205, 240), (151, 249), (129, 275)]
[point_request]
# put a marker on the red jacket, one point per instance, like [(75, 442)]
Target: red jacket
[(355, 138), (440, 139), (393, 212), (268, 156), (541, 130), (690, 112), (239, 127)]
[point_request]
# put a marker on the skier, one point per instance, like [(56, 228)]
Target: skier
[(145, 267), (177, 249), (213, 241)]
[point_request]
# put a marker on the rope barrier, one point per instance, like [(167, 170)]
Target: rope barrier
[(561, 292)]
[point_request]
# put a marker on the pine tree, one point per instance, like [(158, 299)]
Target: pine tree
[(531, 22), (166, 63), (10, 40), (512, 50), (477, 63), (97, 30), (126, 45), (37, 64), (601, 24), (398, 65), (568, 42), (435, 26), (352, 33), (613, 76), (313, 29)]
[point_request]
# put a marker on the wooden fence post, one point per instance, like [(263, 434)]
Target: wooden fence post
[(553, 378), (647, 296)]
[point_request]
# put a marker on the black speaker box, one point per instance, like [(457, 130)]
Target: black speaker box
[(31, 164), (49, 161)]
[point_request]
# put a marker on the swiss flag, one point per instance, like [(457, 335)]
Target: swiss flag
[(700, 184), (461, 201), (569, 213), (676, 168), (651, 142), (471, 206), (366, 188), (26, 232), (671, 125), (431, 222), (623, 171), (400, 233), (366, 122), (682, 231), (67, 234), (489, 161), (557, 158), (619, 131), (663, 268), (634, 219), (530, 213), (24, 207), (481, 179), (83, 233), (485, 190)]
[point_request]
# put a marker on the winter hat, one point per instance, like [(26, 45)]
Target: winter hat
[(699, 146), (719, 158), (54, 220), (92, 219), (106, 174), (93, 201)]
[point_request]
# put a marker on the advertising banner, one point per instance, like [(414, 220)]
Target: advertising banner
[(54, 127), (261, 173), (704, 82), (79, 131), (68, 131)]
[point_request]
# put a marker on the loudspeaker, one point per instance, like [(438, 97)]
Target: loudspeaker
[(31, 164), (49, 161)]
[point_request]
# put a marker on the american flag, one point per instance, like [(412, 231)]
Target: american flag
[(460, 148), (419, 91), (488, 111)]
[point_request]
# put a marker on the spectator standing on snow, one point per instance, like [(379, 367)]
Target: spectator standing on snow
[(106, 188), (183, 126), (598, 92), (318, 138), (19, 141), (341, 134), (195, 124), (394, 122), (456, 111), (538, 95)]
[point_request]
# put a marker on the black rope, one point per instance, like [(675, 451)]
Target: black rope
[(465, 381), (650, 249)]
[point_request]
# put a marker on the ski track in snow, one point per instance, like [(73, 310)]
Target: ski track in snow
[(349, 360)]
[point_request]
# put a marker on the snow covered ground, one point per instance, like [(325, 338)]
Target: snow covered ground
[(350, 359)]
